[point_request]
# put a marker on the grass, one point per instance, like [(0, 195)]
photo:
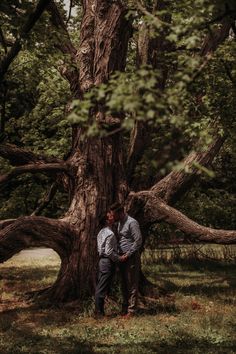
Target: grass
[(198, 314)]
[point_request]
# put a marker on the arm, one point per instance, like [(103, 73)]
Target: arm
[(110, 248), (137, 237)]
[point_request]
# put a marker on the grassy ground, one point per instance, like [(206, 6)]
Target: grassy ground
[(197, 316)]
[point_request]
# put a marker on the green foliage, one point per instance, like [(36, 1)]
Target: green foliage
[(197, 92), (36, 103)]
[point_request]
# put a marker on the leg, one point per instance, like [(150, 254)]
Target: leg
[(124, 288), (133, 268), (104, 281)]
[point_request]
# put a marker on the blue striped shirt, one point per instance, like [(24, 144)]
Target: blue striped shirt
[(107, 244), (130, 237)]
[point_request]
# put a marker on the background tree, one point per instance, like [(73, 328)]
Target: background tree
[(99, 98)]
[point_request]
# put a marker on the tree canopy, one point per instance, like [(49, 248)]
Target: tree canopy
[(131, 101)]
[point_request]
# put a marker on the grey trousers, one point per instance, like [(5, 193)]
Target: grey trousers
[(129, 271), (106, 270)]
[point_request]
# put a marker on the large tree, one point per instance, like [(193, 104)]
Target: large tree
[(101, 168)]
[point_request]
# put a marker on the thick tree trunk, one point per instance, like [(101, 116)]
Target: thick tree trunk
[(97, 165), (96, 186)]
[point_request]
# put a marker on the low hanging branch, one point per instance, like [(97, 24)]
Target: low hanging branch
[(59, 235), (34, 168), (156, 210), (176, 182), (18, 156), (35, 231)]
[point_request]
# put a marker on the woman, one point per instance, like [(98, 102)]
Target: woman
[(107, 249)]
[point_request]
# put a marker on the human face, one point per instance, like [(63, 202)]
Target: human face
[(115, 215), (110, 218)]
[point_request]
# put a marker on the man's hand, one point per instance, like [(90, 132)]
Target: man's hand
[(123, 258)]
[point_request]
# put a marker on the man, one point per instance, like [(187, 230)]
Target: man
[(107, 249), (129, 243)]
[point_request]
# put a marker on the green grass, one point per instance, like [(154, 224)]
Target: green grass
[(198, 314)]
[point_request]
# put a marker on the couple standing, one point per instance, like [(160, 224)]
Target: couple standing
[(122, 247)]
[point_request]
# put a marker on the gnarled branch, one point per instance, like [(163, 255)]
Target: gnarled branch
[(176, 182), (34, 168), (18, 156), (6, 222), (155, 210), (35, 231), (59, 235)]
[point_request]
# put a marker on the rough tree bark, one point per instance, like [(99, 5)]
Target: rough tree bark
[(95, 166)]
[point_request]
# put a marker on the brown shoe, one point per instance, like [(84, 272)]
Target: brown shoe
[(128, 315)]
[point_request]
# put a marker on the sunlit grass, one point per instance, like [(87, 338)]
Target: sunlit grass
[(197, 315)]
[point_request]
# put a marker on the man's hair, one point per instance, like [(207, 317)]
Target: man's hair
[(117, 207)]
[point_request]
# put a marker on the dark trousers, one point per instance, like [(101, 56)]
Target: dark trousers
[(129, 271), (106, 270)]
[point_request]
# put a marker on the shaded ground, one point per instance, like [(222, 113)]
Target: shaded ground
[(197, 316)]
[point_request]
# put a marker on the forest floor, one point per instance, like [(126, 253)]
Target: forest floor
[(196, 315)]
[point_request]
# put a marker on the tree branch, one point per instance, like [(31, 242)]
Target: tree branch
[(35, 231), (140, 137), (4, 223), (177, 182), (32, 19), (156, 210), (2, 40), (70, 11), (34, 168), (150, 51), (215, 38), (43, 203), (18, 156), (174, 184), (65, 45), (110, 19)]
